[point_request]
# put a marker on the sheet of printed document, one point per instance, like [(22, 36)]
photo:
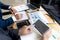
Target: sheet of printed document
[(55, 35), (32, 36), (24, 16), (21, 7), (37, 15)]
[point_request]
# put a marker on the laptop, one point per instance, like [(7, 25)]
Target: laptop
[(34, 4), (41, 27)]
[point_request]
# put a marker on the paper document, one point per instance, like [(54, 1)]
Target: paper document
[(32, 36), (55, 35), (24, 16), (21, 7), (37, 15)]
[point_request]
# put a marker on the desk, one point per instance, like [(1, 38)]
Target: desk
[(52, 24)]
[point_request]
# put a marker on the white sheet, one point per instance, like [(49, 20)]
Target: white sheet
[(24, 16)]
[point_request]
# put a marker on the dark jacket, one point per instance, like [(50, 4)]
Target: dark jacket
[(7, 22), (11, 34)]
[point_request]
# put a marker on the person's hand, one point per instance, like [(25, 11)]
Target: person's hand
[(25, 30), (18, 16), (47, 35), (12, 10)]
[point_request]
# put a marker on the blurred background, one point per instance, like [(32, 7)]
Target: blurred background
[(14, 2)]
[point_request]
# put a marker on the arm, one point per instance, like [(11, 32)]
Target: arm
[(3, 6), (47, 35), (5, 23), (13, 33)]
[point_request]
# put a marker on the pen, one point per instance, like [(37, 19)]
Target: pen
[(54, 36)]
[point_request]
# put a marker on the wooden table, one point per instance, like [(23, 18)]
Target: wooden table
[(52, 24)]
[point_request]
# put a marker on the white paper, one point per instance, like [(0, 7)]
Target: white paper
[(32, 36), (24, 16), (21, 7), (55, 35), (51, 38), (33, 17), (43, 18), (37, 15)]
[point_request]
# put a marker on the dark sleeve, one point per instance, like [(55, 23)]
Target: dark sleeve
[(57, 3), (5, 23), (3, 6), (13, 33)]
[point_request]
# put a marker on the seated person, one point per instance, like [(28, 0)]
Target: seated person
[(7, 22), (27, 30), (12, 34)]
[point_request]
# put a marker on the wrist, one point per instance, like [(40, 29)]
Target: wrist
[(9, 7), (45, 38), (19, 32)]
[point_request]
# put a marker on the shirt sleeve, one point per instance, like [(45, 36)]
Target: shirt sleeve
[(13, 19), (4, 6), (13, 33)]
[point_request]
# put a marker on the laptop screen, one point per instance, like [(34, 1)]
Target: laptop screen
[(36, 3)]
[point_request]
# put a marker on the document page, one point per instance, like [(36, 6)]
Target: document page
[(33, 36), (21, 7), (24, 16), (37, 15), (55, 35)]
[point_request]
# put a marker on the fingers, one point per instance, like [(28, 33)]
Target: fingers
[(25, 30), (13, 10), (47, 34), (18, 16), (26, 27)]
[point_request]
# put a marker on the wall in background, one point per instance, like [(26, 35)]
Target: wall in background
[(13, 2)]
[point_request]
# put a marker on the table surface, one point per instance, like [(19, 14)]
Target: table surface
[(52, 24)]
